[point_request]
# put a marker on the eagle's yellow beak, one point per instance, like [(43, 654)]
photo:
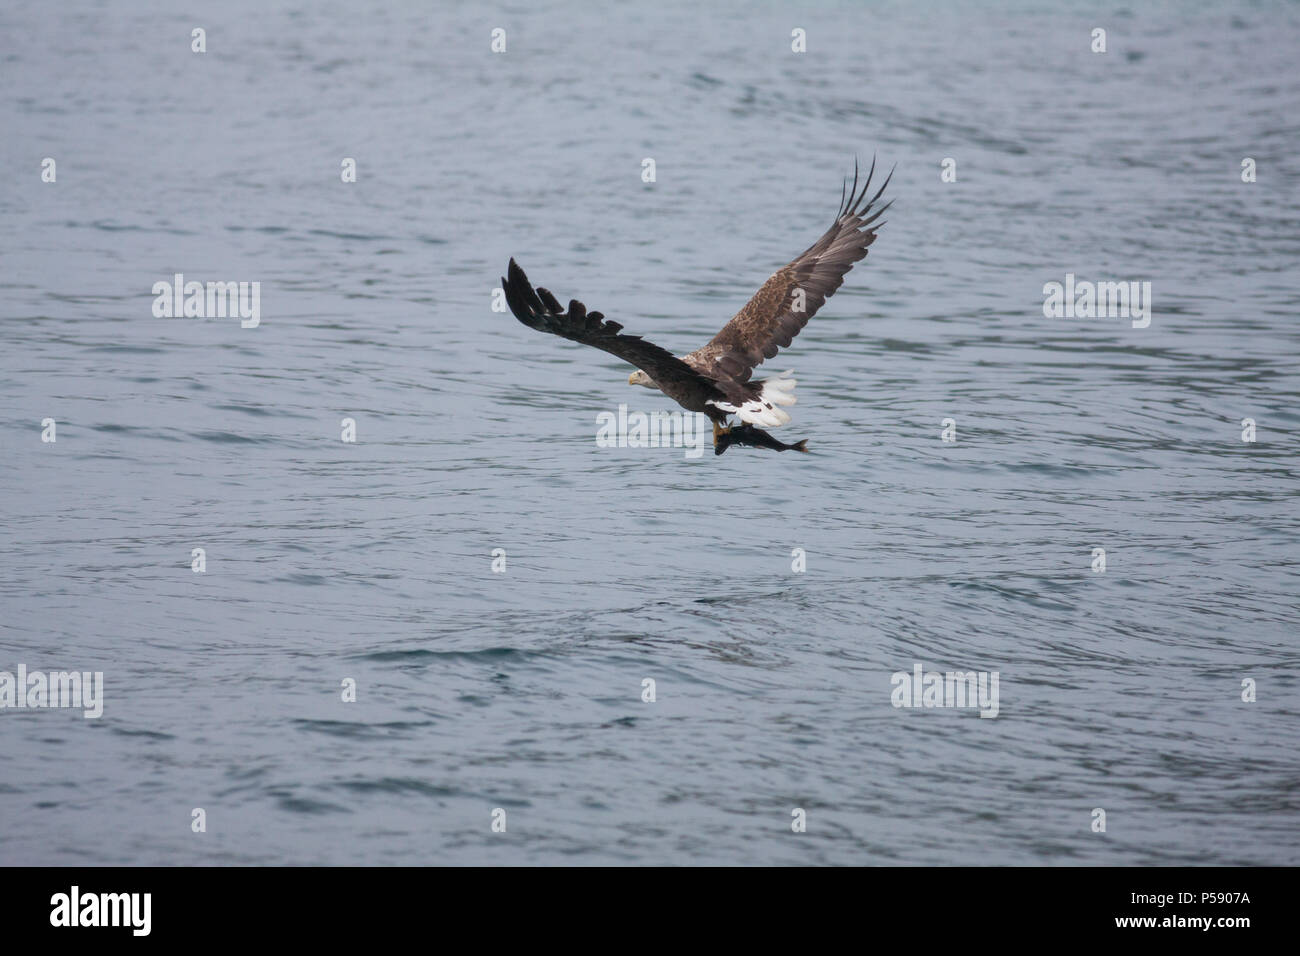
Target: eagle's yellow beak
[(631, 379)]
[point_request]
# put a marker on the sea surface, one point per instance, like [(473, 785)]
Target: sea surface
[(515, 696)]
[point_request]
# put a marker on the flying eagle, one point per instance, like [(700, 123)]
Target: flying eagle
[(715, 379)]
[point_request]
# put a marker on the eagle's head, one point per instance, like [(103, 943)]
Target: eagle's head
[(641, 378)]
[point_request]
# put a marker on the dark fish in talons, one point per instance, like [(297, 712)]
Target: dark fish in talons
[(754, 437)]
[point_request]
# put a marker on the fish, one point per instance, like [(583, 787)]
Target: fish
[(754, 437)]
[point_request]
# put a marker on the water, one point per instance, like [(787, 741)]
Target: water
[(522, 691)]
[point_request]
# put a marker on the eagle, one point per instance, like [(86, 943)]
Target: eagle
[(716, 379)]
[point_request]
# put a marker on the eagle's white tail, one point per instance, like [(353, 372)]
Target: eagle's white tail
[(765, 410)]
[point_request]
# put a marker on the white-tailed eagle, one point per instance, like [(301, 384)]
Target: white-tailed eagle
[(715, 379)]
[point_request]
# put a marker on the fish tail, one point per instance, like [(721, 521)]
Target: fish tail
[(801, 446)]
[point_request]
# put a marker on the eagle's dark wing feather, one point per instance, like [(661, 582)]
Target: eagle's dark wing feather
[(538, 309), (785, 303)]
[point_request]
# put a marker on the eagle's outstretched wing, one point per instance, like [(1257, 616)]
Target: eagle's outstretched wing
[(540, 310), (785, 303)]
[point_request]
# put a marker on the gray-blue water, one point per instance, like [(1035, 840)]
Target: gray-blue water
[(1119, 690)]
